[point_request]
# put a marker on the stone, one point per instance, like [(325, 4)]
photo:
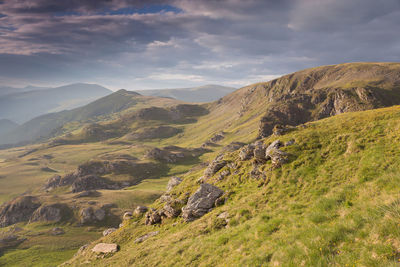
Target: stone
[(99, 214), (259, 151), (281, 130), (153, 217), (278, 157), (274, 145), (52, 182), (217, 164), (201, 202), (146, 236), (174, 181), (105, 248), (246, 152), (90, 215), (109, 231), (223, 174), (127, 215), (172, 209), (81, 249), (48, 213), (140, 210), (18, 210)]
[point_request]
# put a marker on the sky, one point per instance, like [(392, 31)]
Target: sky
[(135, 44)]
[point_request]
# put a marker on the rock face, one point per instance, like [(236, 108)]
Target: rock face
[(153, 217), (48, 213), (90, 215), (146, 236), (52, 182), (201, 202), (172, 209), (274, 145), (174, 181), (217, 164), (18, 210), (173, 154), (105, 248), (89, 182)]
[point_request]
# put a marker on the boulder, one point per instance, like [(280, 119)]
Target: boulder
[(48, 213), (140, 210), (153, 217), (278, 157), (274, 145), (105, 248), (217, 137), (18, 210), (174, 181), (127, 215), (172, 209), (217, 164), (246, 152), (201, 202), (109, 231), (146, 236)]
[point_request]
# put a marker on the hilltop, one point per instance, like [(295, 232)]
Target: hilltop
[(119, 152), (205, 93)]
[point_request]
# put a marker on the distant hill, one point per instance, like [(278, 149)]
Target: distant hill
[(51, 124), (7, 90), (7, 125), (23, 106), (206, 93)]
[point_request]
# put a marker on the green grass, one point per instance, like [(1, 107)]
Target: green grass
[(336, 203)]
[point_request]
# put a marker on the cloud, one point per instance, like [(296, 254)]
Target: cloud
[(153, 44)]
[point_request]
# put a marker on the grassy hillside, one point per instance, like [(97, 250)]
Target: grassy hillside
[(335, 203), (206, 93)]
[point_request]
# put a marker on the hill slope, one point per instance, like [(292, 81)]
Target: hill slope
[(206, 93), (7, 125), (23, 106), (46, 125), (334, 202)]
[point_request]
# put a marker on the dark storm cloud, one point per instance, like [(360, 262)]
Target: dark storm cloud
[(134, 44)]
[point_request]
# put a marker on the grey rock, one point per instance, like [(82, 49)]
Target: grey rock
[(48, 213), (201, 202), (52, 183), (278, 157), (174, 181), (109, 231), (246, 152), (140, 210), (259, 151), (99, 214), (274, 145), (88, 182), (105, 248), (90, 215), (146, 236), (217, 164), (127, 215), (153, 217)]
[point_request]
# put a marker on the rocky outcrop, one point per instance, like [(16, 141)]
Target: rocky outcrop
[(90, 215), (246, 152), (48, 213), (172, 208), (146, 236), (173, 154), (18, 210), (89, 182), (278, 157), (259, 151), (52, 182), (127, 215), (140, 210), (152, 217), (174, 181), (217, 164), (281, 130), (201, 202), (105, 248)]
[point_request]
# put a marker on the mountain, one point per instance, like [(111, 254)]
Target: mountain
[(6, 90), (298, 171), (23, 106), (52, 123), (206, 93), (7, 125)]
